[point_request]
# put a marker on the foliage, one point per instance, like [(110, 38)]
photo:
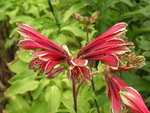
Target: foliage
[(33, 92)]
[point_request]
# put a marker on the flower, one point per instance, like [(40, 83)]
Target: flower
[(119, 92), (114, 85), (129, 62), (51, 55), (133, 100), (106, 47)]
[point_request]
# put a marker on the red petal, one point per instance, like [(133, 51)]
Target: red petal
[(79, 62), (114, 32), (114, 86), (47, 55), (34, 35), (37, 64), (28, 44), (49, 66), (115, 50), (110, 59), (133, 100), (55, 72)]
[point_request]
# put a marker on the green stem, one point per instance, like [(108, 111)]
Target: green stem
[(92, 81), (52, 10), (93, 87), (74, 95)]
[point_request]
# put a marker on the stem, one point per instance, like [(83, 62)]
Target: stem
[(74, 95), (30, 96), (93, 87), (92, 81), (87, 34), (52, 10), (79, 87)]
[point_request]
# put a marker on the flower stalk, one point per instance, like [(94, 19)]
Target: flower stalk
[(52, 10), (74, 95), (92, 80)]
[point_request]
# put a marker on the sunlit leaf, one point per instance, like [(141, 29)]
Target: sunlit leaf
[(22, 86), (53, 98)]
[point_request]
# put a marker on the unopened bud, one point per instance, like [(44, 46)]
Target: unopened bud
[(94, 16)]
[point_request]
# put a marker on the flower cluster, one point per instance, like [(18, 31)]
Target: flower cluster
[(109, 48)]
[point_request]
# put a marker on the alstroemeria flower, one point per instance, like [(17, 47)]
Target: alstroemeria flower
[(133, 100), (119, 92), (114, 85), (51, 55), (129, 62), (107, 46)]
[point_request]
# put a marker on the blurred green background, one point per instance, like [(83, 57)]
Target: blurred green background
[(30, 93)]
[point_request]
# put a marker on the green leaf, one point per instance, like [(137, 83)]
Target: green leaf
[(81, 96), (18, 66), (2, 16), (22, 86), (39, 106), (10, 42), (22, 75), (128, 2), (42, 84), (13, 13), (137, 82), (144, 44), (75, 30), (22, 19), (25, 55), (72, 10), (143, 11), (53, 98), (61, 39), (17, 104), (33, 10), (67, 100)]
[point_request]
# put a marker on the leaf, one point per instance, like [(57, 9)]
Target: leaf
[(17, 66), (10, 42), (72, 10), (81, 96), (137, 82), (2, 16), (25, 55), (42, 84), (17, 104), (67, 99), (53, 98), (22, 86), (22, 75), (128, 2), (61, 39), (22, 19), (33, 10), (144, 44), (75, 30), (143, 11), (12, 14), (39, 106)]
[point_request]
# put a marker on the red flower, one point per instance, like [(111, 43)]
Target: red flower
[(119, 92), (129, 62), (51, 55), (104, 48), (107, 46), (47, 59), (114, 85), (133, 100)]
